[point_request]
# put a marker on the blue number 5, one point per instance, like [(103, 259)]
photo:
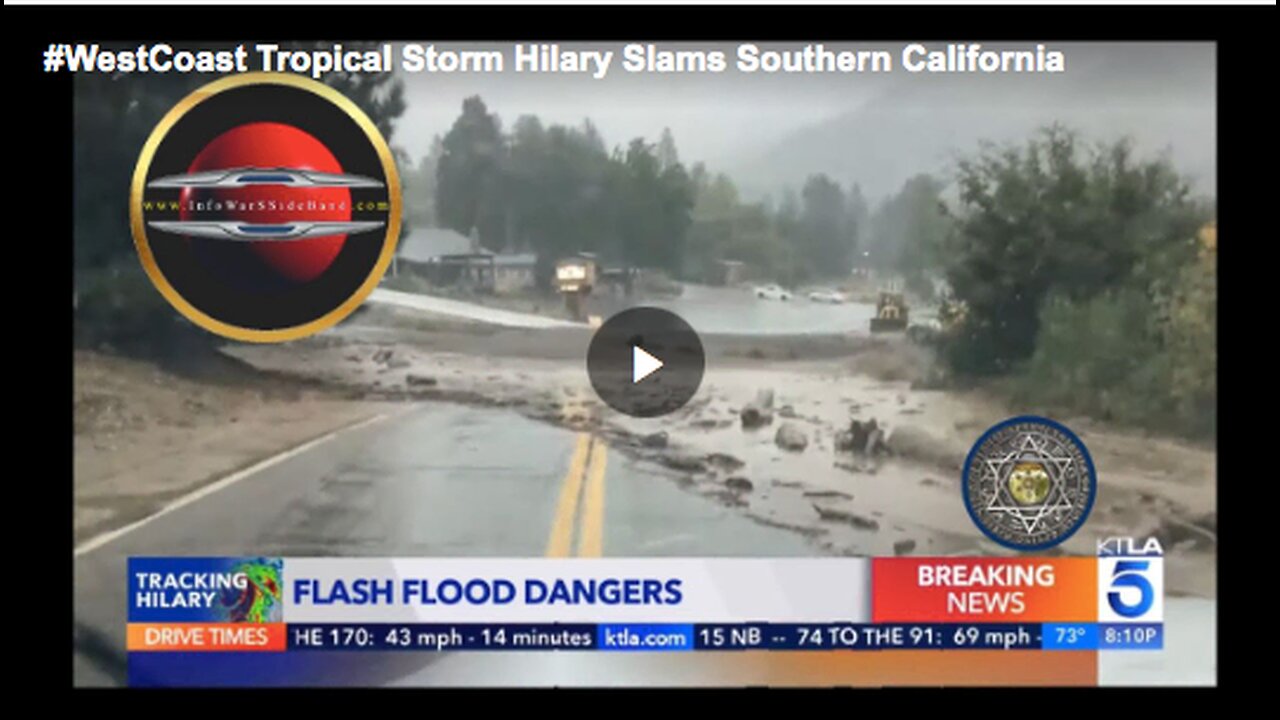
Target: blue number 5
[(1130, 573)]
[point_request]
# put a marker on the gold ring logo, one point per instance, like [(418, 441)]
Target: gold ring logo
[(341, 307)]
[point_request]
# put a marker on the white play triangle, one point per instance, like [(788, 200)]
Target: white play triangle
[(642, 364)]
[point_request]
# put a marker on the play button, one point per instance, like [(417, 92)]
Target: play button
[(645, 362)]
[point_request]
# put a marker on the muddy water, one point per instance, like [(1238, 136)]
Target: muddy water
[(840, 504), (737, 311)]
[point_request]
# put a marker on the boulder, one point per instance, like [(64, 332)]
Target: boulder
[(724, 461), (863, 437), (754, 417), (913, 442), (844, 516), (655, 440), (791, 437), (685, 463), (758, 412), (738, 483)]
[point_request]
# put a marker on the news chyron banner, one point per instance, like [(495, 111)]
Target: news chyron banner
[(368, 621)]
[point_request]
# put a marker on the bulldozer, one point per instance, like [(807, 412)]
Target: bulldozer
[(951, 313), (891, 313)]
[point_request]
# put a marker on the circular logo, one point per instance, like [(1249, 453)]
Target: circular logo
[(265, 207), (1029, 483), (645, 362)]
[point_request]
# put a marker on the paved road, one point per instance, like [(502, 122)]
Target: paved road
[(439, 480), (443, 480)]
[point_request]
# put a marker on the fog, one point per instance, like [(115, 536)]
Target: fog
[(768, 131)]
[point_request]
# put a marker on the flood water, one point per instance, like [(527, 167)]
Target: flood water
[(737, 311)]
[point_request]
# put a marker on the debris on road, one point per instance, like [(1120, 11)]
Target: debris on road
[(724, 461), (862, 437), (759, 412), (827, 494), (844, 516), (684, 463), (914, 442), (791, 437), (655, 440)]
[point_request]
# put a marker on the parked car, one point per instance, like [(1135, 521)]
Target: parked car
[(834, 297), (772, 292)]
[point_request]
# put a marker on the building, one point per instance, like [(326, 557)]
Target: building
[(447, 258), (726, 272), (422, 245), (513, 272)]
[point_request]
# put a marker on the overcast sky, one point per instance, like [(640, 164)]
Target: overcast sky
[(731, 117)]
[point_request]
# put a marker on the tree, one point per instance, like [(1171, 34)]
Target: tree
[(641, 206), (469, 175), (676, 199), (668, 156), (379, 95), (1053, 217), (827, 238), (908, 231), (418, 182)]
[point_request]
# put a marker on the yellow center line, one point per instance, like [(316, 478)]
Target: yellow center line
[(585, 479), (567, 506), (591, 539)]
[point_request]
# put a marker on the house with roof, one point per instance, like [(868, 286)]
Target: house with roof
[(447, 258)]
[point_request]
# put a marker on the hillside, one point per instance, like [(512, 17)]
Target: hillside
[(1162, 96)]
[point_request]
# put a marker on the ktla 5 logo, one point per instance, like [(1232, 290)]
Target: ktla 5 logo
[(1130, 580)]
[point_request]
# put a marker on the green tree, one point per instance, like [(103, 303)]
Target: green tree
[(469, 175), (419, 188), (641, 206), (1053, 217), (908, 231), (827, 237), (379, 95), (668, 156)]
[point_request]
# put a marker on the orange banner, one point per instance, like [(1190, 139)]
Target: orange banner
[(944, 589), (195, 637)]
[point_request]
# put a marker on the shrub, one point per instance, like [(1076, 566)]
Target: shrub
[(1118, 357)]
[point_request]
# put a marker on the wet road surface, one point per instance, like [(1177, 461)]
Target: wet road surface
[(436, 480)]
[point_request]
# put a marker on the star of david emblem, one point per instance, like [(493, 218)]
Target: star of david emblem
[(1035, 448), (1029, 483)]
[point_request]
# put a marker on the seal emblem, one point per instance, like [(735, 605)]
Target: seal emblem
[(1029, 483)]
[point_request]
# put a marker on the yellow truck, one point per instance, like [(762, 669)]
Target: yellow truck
[(575, 278)]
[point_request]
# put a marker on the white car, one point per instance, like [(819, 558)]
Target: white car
[(833, 297), (772, 292)]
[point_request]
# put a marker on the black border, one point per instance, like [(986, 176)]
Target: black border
[(1245, 144)]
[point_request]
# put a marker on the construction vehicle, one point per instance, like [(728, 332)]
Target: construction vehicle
[(575, 278), (891, 313), (951, 313)]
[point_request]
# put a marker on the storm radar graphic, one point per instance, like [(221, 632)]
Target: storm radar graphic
[(259, 601), (265, 207)]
